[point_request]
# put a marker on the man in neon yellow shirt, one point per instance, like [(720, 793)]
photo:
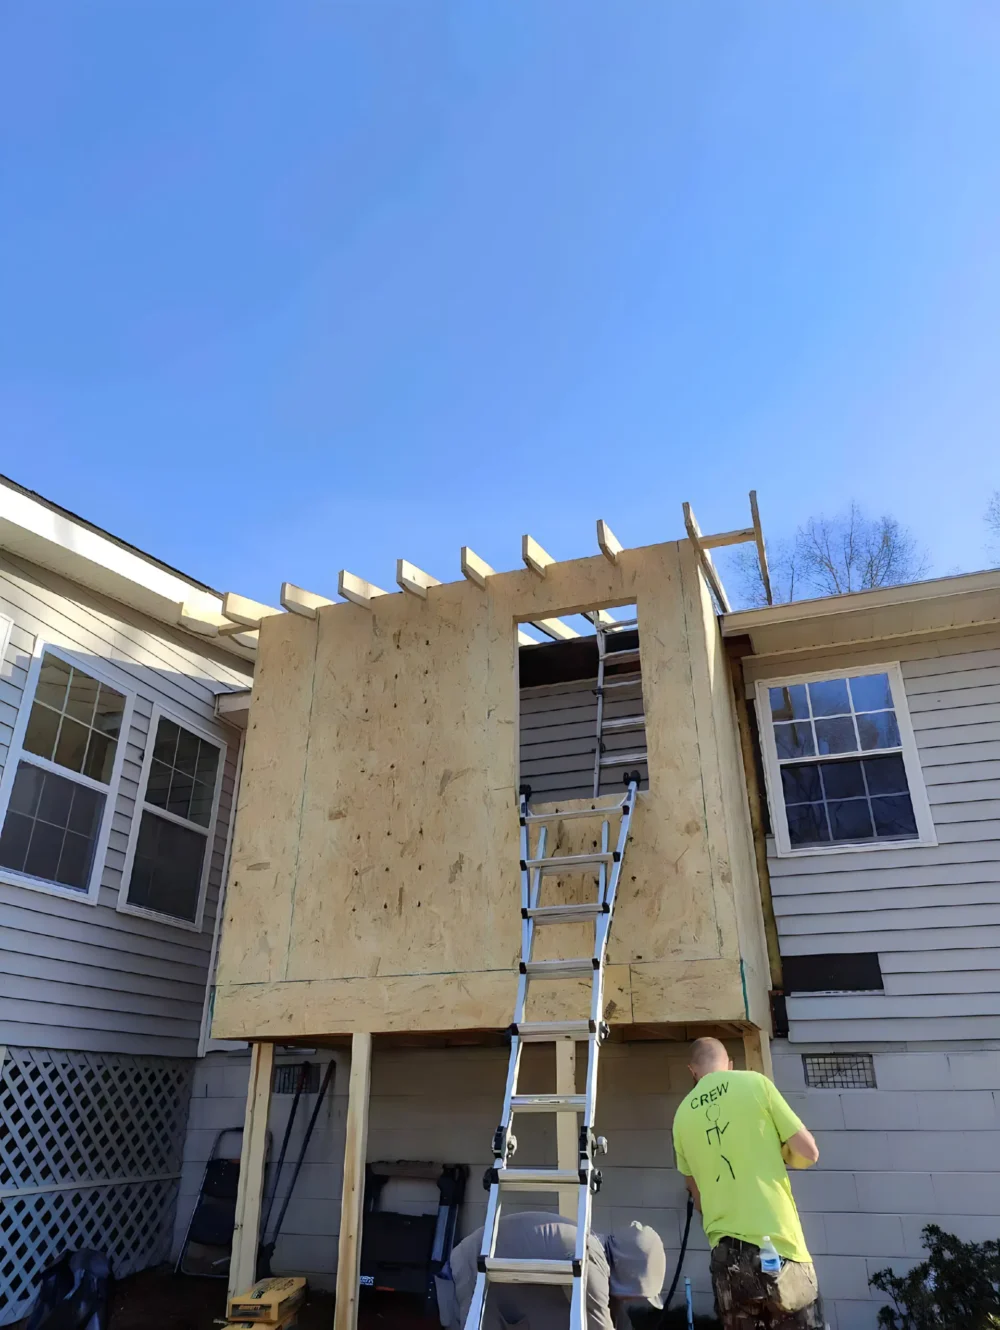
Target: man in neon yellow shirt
[(734, 1135)]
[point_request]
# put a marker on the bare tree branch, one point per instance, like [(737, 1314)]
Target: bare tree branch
[(830, 556), (992, 520)]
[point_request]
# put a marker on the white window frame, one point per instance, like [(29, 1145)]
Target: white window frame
[(911, 762), (141, 806), (17, 753)]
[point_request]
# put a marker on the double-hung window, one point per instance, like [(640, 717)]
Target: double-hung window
[(170, 852), (841, 763), (59, 790)]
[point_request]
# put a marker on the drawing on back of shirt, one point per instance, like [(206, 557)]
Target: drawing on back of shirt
[(716, 1129)]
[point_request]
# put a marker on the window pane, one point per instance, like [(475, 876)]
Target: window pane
[(886, 775), (850, 819), (843, 780), (878, 729), (829, 697), (894, 816), (165, 747), (807, 824), (789, 703), (158, 786), (794, 740), (167, 872), (181, 789), (38, 842), (801, 784), (14, 841), (44, 851), (187, 753), (42, 731), (72, 745), (53, 680), (208, 763), (82, 698), (100, 760), (871, 692), (202, 797), (836, 736), (110, 709)]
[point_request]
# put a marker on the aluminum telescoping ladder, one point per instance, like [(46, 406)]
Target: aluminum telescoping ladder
[(503, 1177), (605, 630)]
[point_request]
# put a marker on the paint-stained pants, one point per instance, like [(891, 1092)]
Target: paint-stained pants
[(748, 1299)]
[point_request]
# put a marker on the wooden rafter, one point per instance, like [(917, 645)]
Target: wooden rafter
[(357, 590), (297, 601), (242, 610), (742, 536), (414, 579), (610, 545), (534, 556), (474, 568)]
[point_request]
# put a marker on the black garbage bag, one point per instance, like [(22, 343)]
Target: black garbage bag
[(74, 1293)]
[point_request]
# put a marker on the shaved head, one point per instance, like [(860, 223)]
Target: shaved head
[(708, 1055)]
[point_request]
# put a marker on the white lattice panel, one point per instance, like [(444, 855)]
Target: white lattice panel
[(70, 1122)]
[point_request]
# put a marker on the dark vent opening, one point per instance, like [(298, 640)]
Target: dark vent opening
[(285, 1079), (839, 1071)]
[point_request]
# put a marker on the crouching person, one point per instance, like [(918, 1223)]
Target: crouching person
[(624, 1271), (734, 1136)]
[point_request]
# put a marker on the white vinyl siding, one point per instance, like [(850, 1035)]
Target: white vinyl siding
[(82, 976), (932, 913)]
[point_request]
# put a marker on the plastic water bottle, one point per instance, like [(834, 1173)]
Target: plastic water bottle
[(770, 1261)]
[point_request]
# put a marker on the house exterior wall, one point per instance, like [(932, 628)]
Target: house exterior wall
[(931, 913), (85, 976)]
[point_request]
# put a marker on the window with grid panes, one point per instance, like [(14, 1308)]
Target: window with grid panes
[(59, 794), (175, 823), (840, 761)]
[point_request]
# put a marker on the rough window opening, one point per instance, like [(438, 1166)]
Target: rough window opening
[(562, 750)]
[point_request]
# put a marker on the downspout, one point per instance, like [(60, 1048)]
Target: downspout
[(736, 650)]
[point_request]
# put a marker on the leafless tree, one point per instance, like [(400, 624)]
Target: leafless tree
[(829, 556), (992, 519)]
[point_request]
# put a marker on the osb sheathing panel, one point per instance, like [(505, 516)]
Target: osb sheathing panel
[(374, 879)]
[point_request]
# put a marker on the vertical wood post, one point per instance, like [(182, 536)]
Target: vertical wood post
[(345, 1316), (567, 1124), (253, 1157), (757, 1051)]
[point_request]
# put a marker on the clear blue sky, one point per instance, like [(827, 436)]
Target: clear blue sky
[(292, 286)]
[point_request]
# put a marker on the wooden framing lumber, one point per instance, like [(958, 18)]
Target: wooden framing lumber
[(535, 558), (757, 1052), (246, 1234), (197, 620), (610, 545), (555, 628), (238, 630), (242, 610), (758, 535), (357, 590), (474, 568), (414, 579), (603, 617), (728, 538), (353, 1195), (298, 601), (567, 1124), (705, 559)]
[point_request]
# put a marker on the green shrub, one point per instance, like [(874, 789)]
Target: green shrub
[(956, 1288)]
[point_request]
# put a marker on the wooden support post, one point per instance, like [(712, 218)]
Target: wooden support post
[(567, 1124), (253, 1158), (757, 1052), (345, 1316)]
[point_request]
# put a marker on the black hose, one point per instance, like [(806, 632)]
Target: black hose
[(680, 1259)]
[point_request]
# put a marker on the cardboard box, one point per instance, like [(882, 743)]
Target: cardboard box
[(269, 1302)]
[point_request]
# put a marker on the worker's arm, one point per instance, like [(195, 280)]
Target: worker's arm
[(800, 1150), (692, 1187)]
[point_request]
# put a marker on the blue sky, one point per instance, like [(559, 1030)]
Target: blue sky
[(294, 286)]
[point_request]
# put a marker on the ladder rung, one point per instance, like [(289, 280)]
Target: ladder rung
[(537, 1179), (623, 759), (613, 657), (580, 967), (542, 1032), (566, 914), (569, 861), (510, 1271), (625, 723), (625, 681), (548, 1103), (618, 624), (606, 811)]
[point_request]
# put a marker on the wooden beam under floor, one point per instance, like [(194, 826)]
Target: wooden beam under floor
[(345, 1316), (253, 1157)]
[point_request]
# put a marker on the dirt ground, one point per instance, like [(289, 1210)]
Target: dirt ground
[(161, 1300)]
